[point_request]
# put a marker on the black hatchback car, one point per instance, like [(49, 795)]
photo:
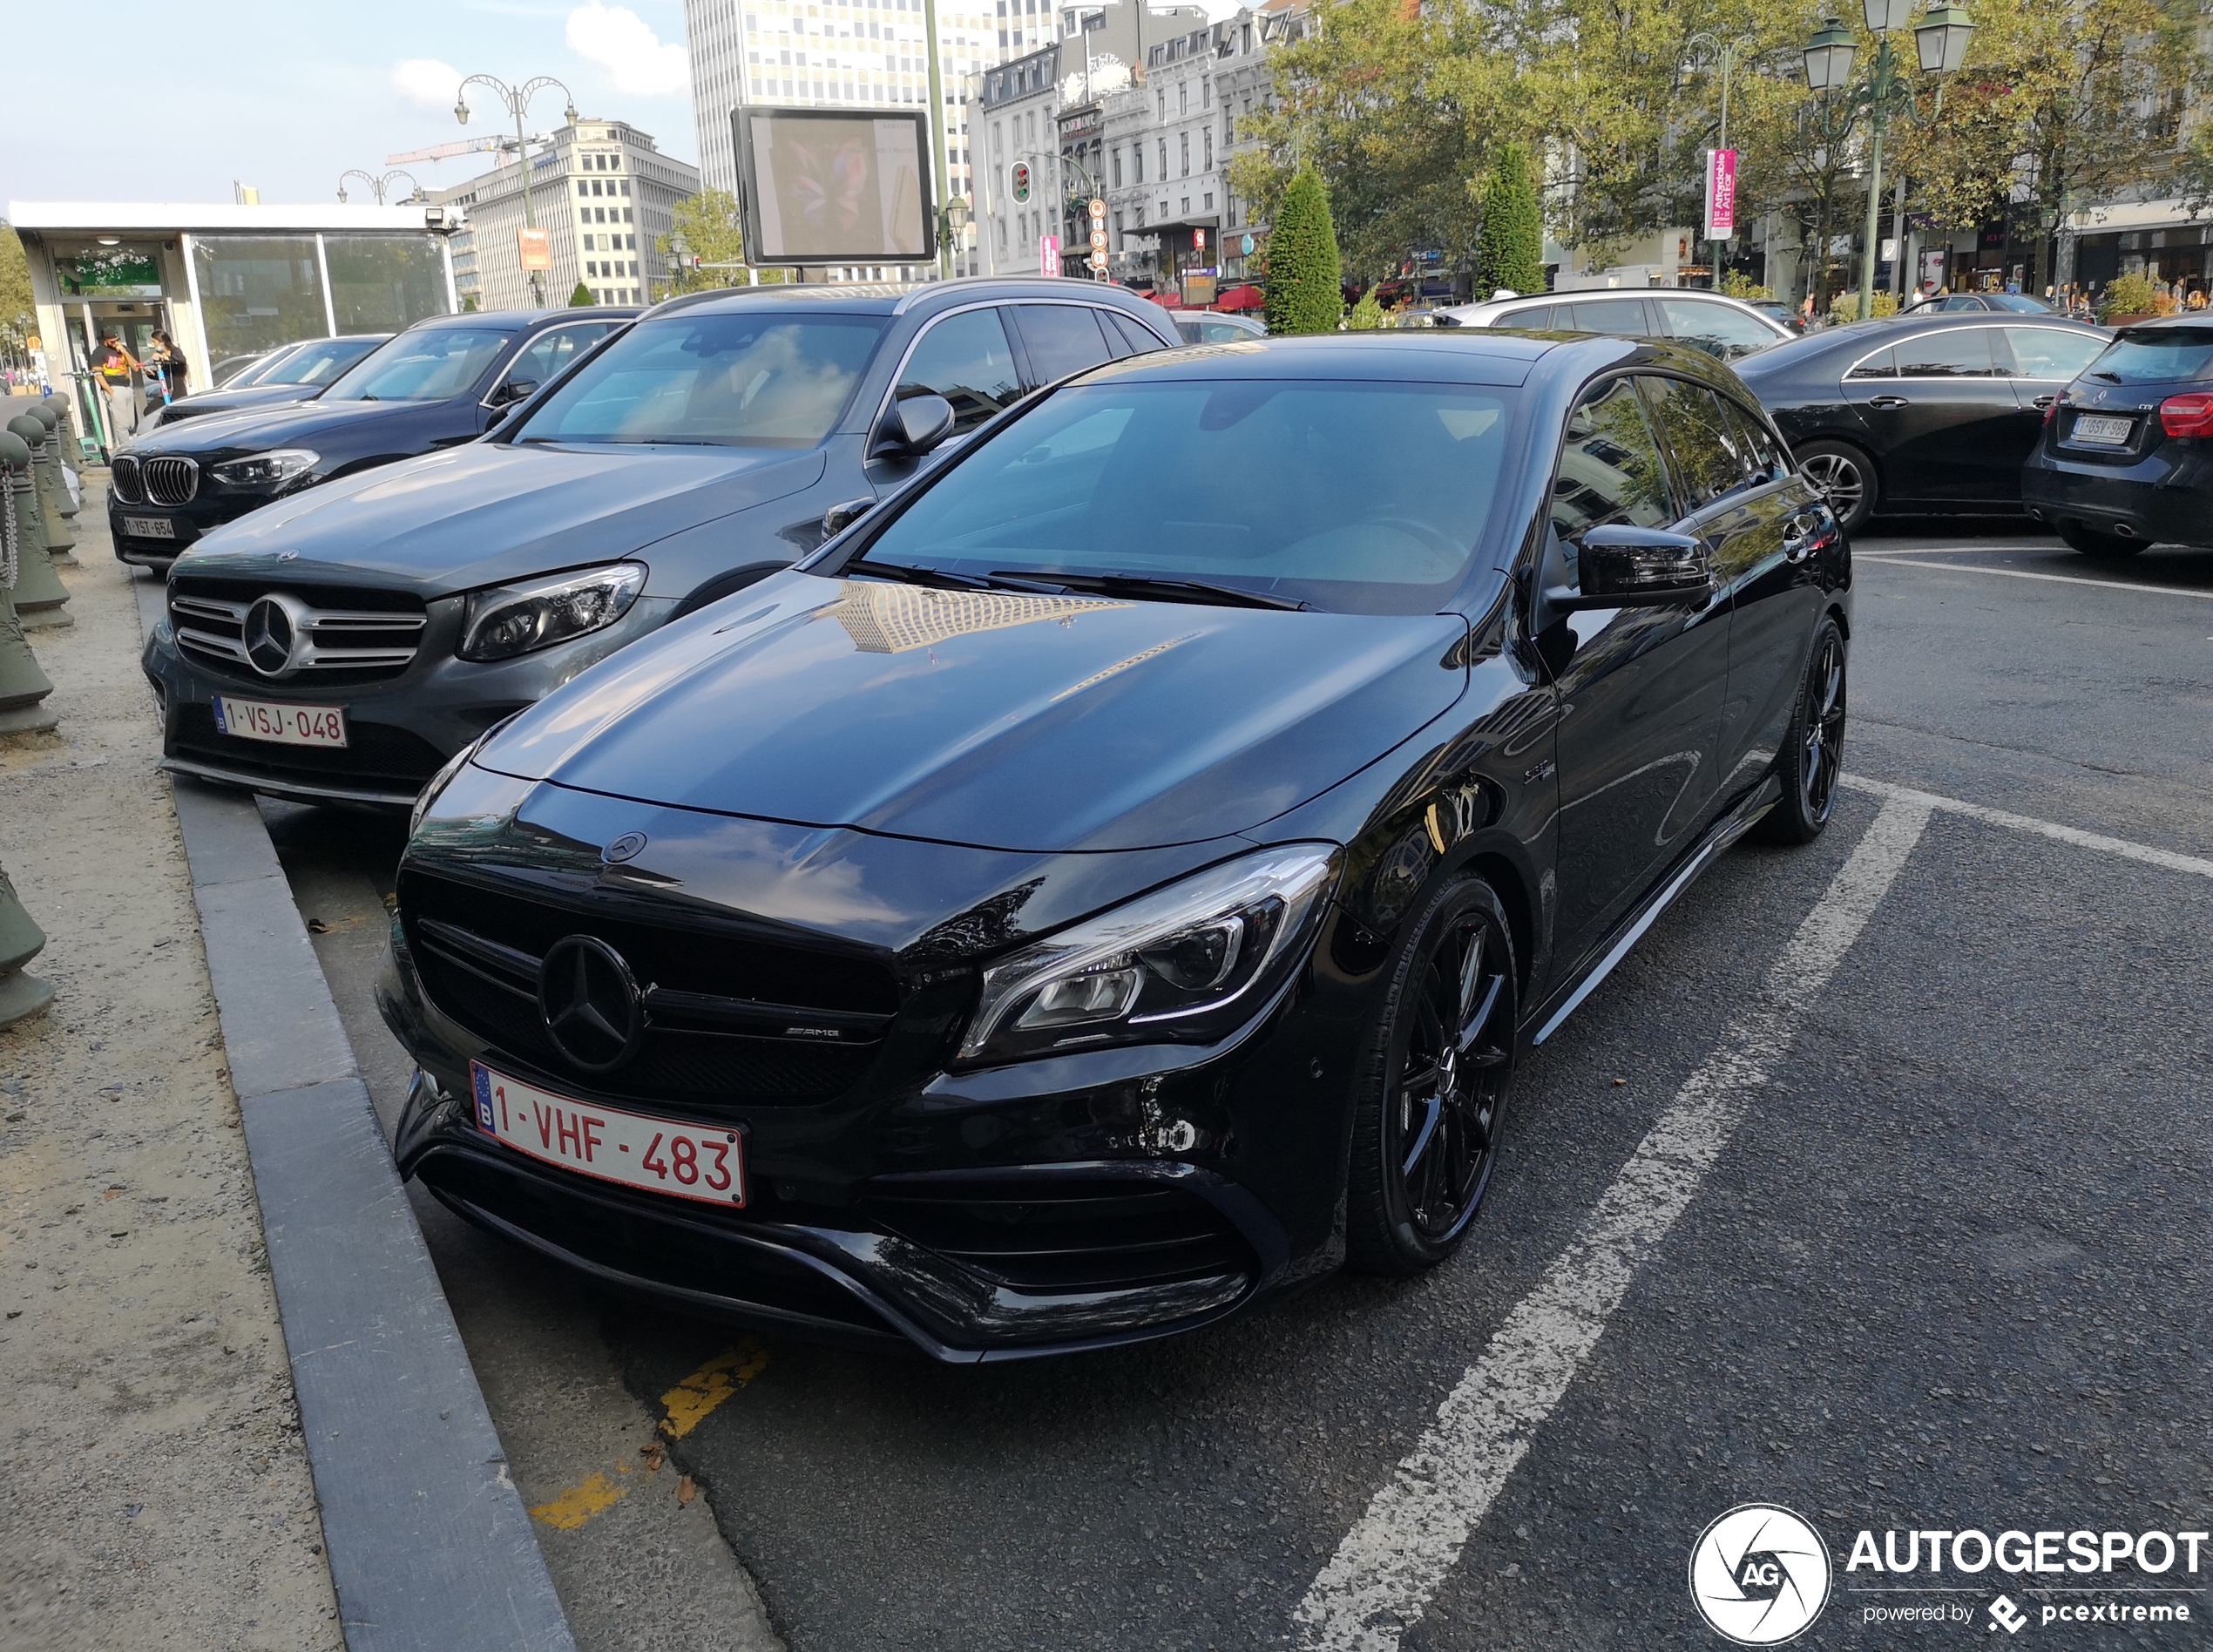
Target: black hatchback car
[(2127, 455), (441, 382), (1118, 877), (339, 645), (1923, 412)]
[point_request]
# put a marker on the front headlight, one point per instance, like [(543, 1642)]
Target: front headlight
[(267, 470), (507, 620), (1185, 963)]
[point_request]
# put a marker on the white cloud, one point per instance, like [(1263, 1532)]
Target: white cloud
[(426, 81), (621, 42)]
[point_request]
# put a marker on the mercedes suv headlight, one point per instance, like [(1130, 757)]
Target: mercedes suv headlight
[(507, 620), (267, 470), (1184, 963)]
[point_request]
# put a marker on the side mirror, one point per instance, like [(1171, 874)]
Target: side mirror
[(1621, 566), (914, 425), (513, 391), (839, 517)]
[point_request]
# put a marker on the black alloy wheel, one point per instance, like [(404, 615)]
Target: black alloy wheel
[(1845, 478), (2103, 548), (1433, 1100), (1812, 759)]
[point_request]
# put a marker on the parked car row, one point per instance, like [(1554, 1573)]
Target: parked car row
[(940, 817)]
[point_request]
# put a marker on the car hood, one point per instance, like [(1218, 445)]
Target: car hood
[(995, 720), (289, 423), (484, 513), (256, 396)]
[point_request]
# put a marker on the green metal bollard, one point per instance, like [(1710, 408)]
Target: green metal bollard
[(21, 940), (55, 411), (23, 685), (53, 496), (37, 593)]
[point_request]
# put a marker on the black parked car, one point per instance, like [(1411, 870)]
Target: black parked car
[(1119, 877), (299, 373), (1954, 303), (1920, 413), (341, 646), (2127, 455), (440, 382)]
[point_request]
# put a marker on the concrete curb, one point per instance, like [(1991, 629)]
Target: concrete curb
[(427, 1537)]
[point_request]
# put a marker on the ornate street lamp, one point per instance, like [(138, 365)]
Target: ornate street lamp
[(379, 187), (518, 99), (1941, 43)]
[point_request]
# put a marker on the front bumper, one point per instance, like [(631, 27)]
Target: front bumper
[(189, 524), (2164, 498), (1048, 1207), (400, 730)]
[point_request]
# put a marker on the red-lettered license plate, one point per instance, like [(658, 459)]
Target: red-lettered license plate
[(689, 1161), (285, 725)]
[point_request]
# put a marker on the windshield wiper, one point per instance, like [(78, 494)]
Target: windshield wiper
[(1139, 584), (2114, 378), (911, 573)]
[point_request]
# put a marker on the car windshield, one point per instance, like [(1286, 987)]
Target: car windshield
[(2157, 355), (1353, 497), (267, 370), (2020, 303), (425, 365), (319, 362), (753, 379)]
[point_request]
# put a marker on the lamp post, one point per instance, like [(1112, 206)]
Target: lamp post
[(518, 99), (1725, 56), (1941, 44), (378, 186)]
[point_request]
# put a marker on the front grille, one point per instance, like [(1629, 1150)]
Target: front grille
[(123, 481), (376, 756), (169, 481), (730, 1020), (1060, 1234), (348, 636)]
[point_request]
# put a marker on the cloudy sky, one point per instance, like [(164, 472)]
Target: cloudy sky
[(120, 100)]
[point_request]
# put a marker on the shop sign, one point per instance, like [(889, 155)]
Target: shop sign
[(121, 273)]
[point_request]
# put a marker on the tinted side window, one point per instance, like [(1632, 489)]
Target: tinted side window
[(1609, 465), (1961, 352), (1881, 364), (1764, 455), (1060, 338), (2050, 352), (1621, 317), (550, 351), (1533, 318), (1714, 329), (1698, 438), (1134, 333), (965, 359)]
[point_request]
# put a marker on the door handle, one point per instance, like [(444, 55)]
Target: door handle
[(2041, 402), (1887, 402)]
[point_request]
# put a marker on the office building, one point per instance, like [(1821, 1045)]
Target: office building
[(601, 191)]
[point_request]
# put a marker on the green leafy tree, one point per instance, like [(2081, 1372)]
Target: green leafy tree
[(1305, 291), (1368, 316), (709, 227), (1511, 253), (581, 296), (18, 319)]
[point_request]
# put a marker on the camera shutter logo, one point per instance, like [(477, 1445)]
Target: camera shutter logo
[(1760, 1575)]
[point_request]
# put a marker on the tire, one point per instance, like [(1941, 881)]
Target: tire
[(1427, 1124), (1845, 477), (2104, 547), (1813, 752)]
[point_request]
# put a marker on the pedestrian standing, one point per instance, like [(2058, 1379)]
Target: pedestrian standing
[(118, 370), (168, 360)]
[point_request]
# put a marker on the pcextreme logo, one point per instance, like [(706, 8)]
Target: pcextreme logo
[(1760, 1575)]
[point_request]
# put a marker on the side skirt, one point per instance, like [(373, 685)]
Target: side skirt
[(1567, 999)]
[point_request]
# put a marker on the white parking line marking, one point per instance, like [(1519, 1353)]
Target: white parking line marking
[(2055, 578), (1952, 550), (1384, 1573), (2121, 846)]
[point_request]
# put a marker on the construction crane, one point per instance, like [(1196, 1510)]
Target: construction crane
[(460, 146)]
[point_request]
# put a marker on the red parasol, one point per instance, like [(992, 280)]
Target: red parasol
[(1241, 298)]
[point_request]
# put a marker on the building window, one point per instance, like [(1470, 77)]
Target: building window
[(1183, 154), (1209, 204), (1118, 169), (1206, 94), (1209, 136), (1118, 232), (1182, 97), (1164, 161)]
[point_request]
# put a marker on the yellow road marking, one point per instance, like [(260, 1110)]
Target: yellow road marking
[(689, 1402), (579, 1503)]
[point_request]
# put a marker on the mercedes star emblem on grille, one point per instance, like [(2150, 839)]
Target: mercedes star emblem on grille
[(274, 635), (590, 1003)]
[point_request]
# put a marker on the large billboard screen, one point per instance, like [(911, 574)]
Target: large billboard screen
[(835, 185)]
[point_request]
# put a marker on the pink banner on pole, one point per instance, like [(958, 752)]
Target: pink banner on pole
[(1048, 254), (1720, 194)]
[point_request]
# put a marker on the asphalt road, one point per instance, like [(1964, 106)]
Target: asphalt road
[(1875, 1184)]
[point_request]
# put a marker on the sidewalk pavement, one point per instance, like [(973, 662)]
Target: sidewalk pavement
[(158, 1492)]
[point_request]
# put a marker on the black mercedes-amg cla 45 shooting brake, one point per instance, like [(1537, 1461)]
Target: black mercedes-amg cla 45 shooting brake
[(1117, 877)]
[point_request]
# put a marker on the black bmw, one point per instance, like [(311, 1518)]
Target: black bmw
[(1118, 877)]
